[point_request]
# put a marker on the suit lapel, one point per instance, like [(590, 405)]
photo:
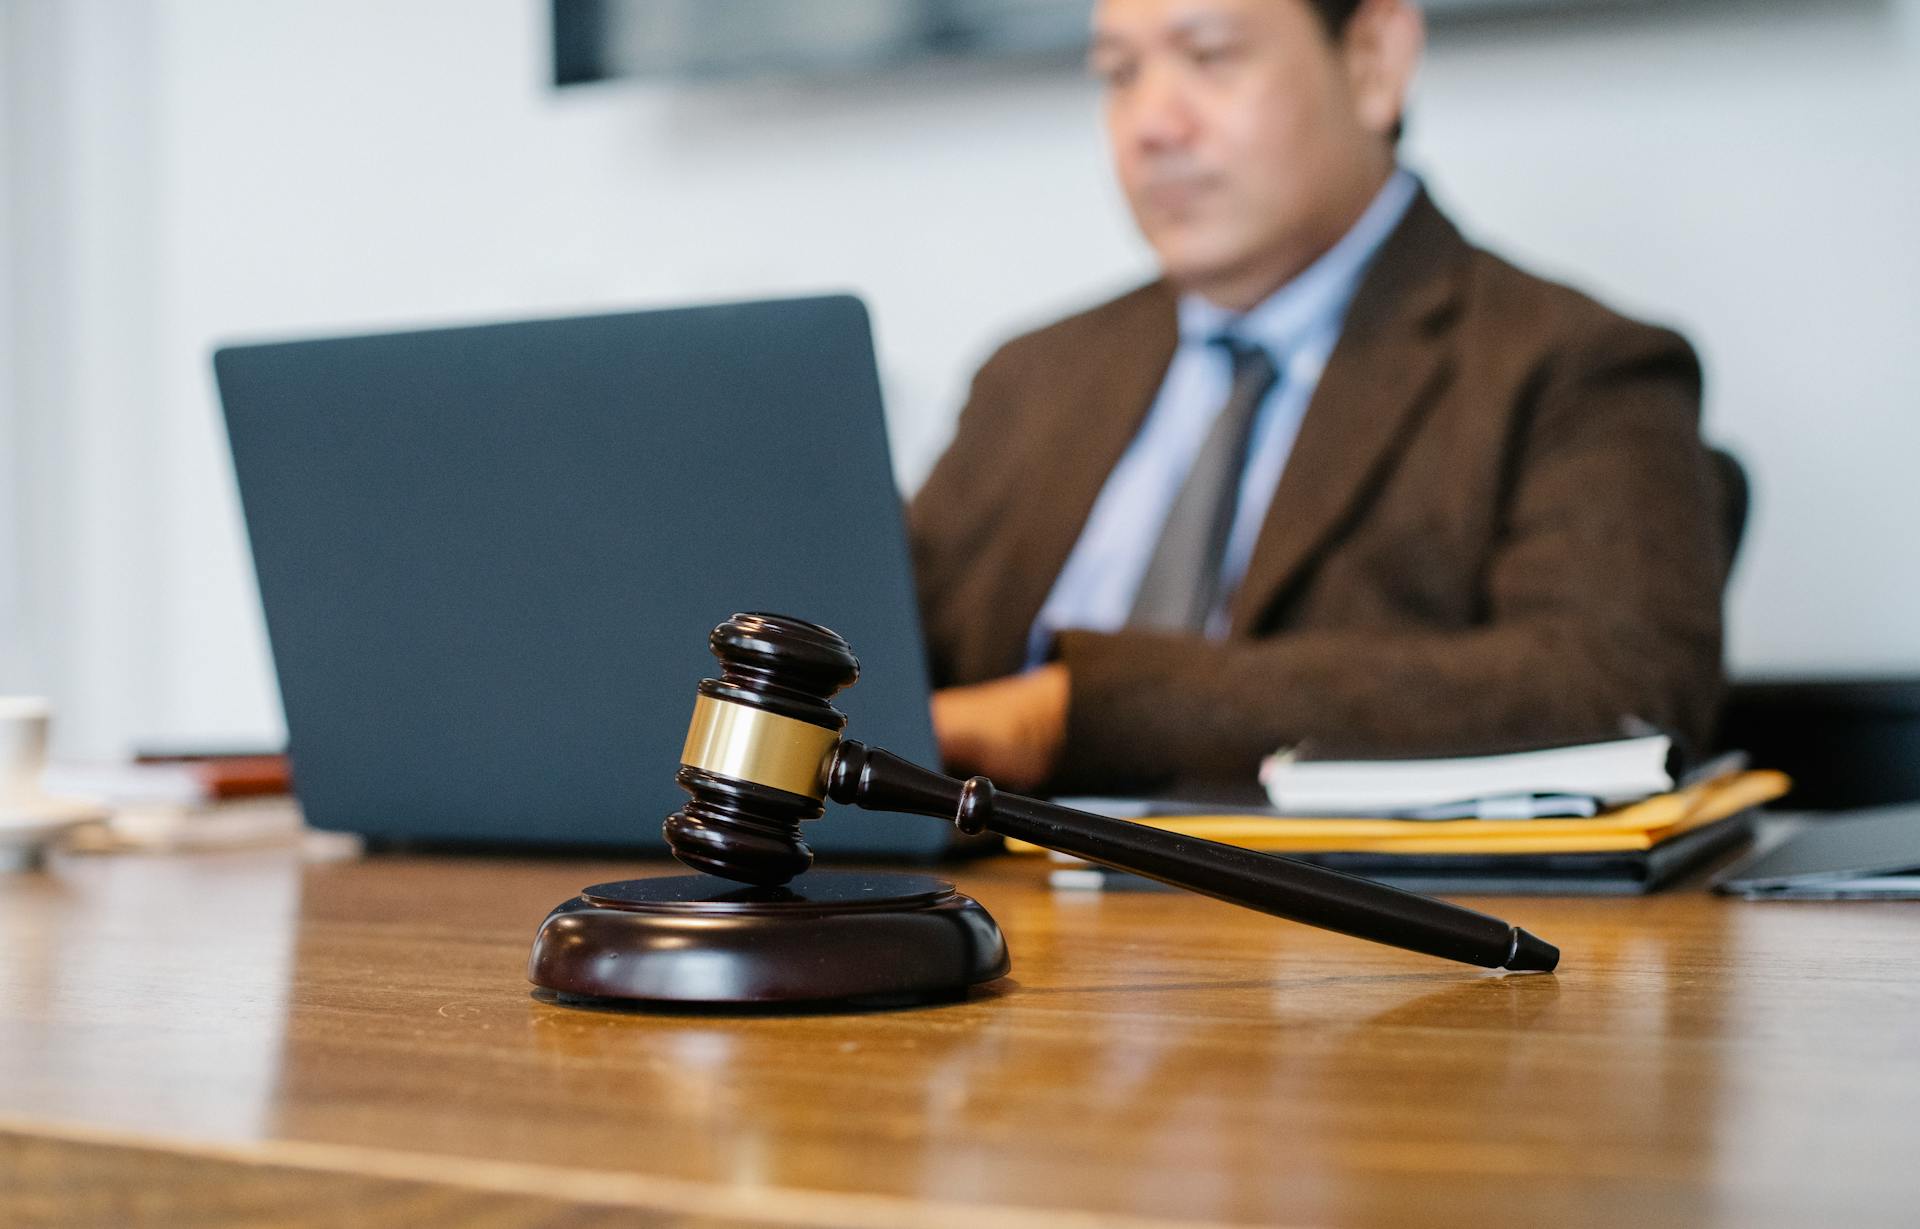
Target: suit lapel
[(1102, 413), (1393, 357)]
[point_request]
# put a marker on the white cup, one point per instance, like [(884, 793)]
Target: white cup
[(23, 747)]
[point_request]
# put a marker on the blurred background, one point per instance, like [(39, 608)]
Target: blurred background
[(179, 173)]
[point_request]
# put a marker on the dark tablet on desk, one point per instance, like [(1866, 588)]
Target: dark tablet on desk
[(490, 557), (1865, 855)]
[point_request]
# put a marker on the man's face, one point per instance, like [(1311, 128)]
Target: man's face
[(1239, 134)]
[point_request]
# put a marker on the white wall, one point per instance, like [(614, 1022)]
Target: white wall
[(1752, 173), (226, 168), (13, 650), (81, 489)]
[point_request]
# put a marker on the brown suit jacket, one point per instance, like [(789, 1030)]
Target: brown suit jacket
[(1498, 526)]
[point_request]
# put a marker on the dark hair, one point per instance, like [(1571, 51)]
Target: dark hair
[(1334, 14)]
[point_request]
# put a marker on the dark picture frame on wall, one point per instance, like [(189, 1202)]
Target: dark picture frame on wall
[(600, 40)]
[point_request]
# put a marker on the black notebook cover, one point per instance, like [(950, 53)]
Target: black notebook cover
[(1612, 873)]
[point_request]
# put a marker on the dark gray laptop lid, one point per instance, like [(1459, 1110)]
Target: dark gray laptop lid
[(490, 557), (1844, 845)]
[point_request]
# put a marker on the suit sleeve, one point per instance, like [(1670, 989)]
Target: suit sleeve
[(955, 509), (1603, 601)]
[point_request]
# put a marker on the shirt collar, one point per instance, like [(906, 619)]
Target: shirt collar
[(1319, 295)]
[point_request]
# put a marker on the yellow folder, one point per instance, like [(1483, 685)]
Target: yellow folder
[(1641, 825)]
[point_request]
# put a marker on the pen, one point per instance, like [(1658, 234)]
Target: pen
[(1726, 764)]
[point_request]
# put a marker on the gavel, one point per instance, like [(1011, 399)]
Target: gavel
[(765, 751)]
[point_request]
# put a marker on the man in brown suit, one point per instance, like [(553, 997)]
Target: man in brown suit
[(1491, 522)]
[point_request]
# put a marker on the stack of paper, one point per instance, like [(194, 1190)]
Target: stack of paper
[(1555, 781), (221, 802), (1639, 826), (1629, 849)]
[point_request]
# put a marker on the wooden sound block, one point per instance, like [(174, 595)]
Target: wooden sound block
[(829, 938)]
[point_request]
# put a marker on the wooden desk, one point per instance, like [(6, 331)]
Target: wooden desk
[(235, 1039)]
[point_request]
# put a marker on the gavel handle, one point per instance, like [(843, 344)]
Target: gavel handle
[(877, 780)]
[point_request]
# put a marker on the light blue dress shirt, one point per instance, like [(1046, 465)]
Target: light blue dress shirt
[(1299, 325)]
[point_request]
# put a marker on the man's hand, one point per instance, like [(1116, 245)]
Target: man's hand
[(1010, 729)]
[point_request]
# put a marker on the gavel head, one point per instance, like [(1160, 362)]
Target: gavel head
[(762, 737)]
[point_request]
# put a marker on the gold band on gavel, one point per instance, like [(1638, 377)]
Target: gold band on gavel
[(749, 744)]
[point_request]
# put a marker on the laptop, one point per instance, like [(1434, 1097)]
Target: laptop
[(490, 557)]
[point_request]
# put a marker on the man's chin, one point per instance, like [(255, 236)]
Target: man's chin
[(1194, 267)]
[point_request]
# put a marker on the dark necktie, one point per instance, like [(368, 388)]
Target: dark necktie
[(1182, 581)]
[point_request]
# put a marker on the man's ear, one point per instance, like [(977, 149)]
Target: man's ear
[(1383, 43)]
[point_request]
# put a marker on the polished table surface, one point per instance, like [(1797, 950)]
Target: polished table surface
[(240, 1039)]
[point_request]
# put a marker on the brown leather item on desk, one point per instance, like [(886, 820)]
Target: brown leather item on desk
[(237, 1039)]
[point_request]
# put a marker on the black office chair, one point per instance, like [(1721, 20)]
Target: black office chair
[(1846, 742), (1735, 497)]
